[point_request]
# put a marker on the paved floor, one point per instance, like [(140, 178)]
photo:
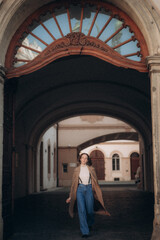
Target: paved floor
[(45, 216)]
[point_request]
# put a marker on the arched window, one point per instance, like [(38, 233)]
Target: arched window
[(115, 162), (77, 27)]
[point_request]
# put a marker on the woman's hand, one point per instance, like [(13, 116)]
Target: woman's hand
[(102, 212), (68, 200)]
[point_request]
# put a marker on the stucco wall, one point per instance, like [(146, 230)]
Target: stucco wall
[(49, 179), (124, 149)]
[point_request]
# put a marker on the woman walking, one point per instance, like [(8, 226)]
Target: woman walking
[(84, 189)]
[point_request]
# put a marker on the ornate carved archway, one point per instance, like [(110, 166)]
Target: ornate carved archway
[(90, 27)]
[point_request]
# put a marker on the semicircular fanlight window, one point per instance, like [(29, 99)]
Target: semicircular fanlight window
[(92, 20)]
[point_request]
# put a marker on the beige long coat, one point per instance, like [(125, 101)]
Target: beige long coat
[(95, 187)]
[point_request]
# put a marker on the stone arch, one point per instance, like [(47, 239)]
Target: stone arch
[(116, 152), (109, 137), (49, 120), (98, 149), (132, 152)]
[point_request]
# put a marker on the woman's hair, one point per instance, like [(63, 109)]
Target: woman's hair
[(89, 162)]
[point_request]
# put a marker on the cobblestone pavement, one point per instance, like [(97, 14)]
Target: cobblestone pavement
[(44, 216)]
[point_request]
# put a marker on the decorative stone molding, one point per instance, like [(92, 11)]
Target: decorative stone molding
[(153, 63)]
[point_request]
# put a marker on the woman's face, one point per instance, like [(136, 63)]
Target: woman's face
[(84, 159)]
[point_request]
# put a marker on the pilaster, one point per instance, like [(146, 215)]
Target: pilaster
[(2, 77), (154, 70)]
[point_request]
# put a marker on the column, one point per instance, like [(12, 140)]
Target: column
[(2, 75), (154, 69)]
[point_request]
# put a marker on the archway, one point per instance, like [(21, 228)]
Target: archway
[(47, 102), (92, 109)]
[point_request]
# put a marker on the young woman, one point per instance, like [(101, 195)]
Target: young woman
[(84, 188)]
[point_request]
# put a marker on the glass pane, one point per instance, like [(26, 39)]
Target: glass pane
[(135, 58), (35, 43), (115, 155), (42, 34), (75, 16), (52, 27), (25, 54), (128, 48), (126, 34), (122, 36), (89, 13), (62, 18), (19, 64), (113, 164), (112, 27), (118, 167), (101, 20)]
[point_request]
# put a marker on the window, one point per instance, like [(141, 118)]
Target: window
[(65, 167), (97, 21), (115, 162)]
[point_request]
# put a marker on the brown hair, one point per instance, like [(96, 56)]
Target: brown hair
[(89, 162)]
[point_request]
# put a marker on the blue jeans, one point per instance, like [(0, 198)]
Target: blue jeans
[(85, 203)]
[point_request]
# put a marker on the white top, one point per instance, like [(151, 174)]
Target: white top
[(84, 174)]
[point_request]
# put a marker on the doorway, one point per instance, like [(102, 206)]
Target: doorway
[(134, 158), (97, 158)]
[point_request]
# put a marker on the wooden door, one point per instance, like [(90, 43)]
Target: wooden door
[(97, 158), (134, 159)]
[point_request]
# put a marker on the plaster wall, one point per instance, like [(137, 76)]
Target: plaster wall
[(74, 131), (82, 135), (49, 179), (124, 150), (66, 156)]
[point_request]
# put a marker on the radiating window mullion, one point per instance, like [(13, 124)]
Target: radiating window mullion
[(32, 49), (123, 43), (114, 34), (82, 11), (108, 21), (132, 54), (39, 39), (94, 19), (69, 20), (47, 31), (60, 30), (22, 60)]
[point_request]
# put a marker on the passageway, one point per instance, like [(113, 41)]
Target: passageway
[(44, 216)]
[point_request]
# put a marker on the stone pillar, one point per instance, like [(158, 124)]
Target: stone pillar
[(2, 75), (154, 69)]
